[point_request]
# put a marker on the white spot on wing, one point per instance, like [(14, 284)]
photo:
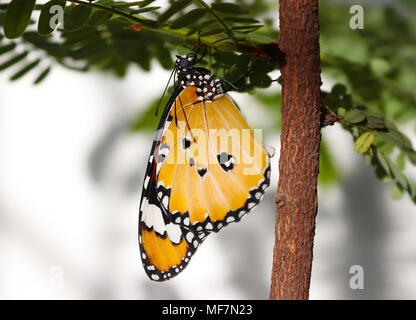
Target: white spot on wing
[(146, 182), (166, 202), (189, 236), (152, 216), (174, 232)]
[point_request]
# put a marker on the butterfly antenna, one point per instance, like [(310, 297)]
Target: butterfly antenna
[(164, 91), (186, 120), (198, 47), (176, 86), (202, 55)]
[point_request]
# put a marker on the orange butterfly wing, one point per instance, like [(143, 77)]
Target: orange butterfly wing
[(215, 170), (206, 170)]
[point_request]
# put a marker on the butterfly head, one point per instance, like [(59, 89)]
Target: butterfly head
[(185, 62), (207, 88)]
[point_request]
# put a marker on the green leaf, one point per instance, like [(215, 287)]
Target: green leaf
[(409, 3), (188, 19), (225, 58), (229, 8), (263, 37), (386, 147), (241, 20), (99, 17), (374, 122), (200, 26), (45, 17), (144, 3), (368, 159), (18, 17), (354, 116), (341, 111), (175, 7), (42, 76), (251, 27), (411, 189), (383, 162), (147, 9), (7, 48), (148, 22), (382, 175), (397, 192), (132, 4), (261, 80), (355, 132), (379, 66), (339, 89), (364, 142), (76, 17), (393, 137), (400, 161), (164, 57), (24, 70), (412, 156), (13, 61), (212, 32), (400, 177)]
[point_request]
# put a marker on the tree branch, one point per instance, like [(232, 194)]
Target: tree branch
[(296, 198), (329, 117)]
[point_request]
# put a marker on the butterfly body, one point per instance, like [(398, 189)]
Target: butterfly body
[(206, 169)]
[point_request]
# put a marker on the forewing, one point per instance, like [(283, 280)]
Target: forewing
[(214, 170)]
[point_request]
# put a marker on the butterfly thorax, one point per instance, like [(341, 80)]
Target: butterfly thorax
[(207, 88)]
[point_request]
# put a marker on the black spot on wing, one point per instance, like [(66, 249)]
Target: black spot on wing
[(226, 161), (163, 153), (186, 143), (202, 171)]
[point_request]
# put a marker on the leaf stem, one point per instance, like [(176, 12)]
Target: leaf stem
[(137, 19), (220, 21), (210, 41)]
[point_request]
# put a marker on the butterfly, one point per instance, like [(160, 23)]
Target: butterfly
[(206, 169)]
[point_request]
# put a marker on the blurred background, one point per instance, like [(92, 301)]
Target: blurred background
[(71, 171)]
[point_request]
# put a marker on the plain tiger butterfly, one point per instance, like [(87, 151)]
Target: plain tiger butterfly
[(206, 169)]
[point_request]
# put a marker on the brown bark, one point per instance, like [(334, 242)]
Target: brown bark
[(296, 199)]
